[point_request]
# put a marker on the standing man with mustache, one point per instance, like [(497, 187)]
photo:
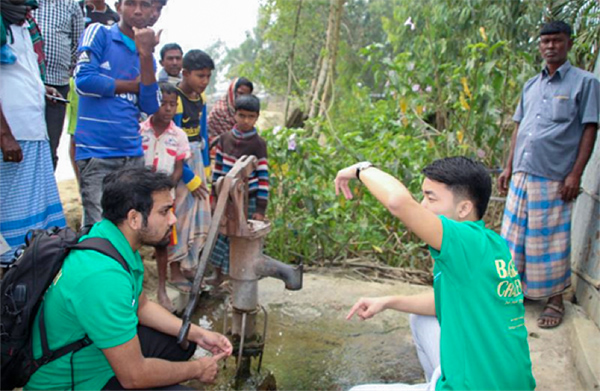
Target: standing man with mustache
[(115, 79), (557, 122)]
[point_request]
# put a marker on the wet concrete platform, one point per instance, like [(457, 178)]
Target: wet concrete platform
[(311, 346)]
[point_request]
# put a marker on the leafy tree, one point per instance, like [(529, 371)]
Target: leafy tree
[(413, 81)]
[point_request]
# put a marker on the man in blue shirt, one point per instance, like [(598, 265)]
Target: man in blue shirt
[(115, 78), (557, 122)]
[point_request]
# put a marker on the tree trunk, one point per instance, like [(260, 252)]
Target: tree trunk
[(326, 76), (291, 61), (329, 82)]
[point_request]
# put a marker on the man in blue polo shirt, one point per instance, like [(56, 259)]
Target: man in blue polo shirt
[(115, 78)]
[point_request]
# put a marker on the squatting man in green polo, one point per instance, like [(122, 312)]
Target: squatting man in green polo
[(133, 339), (470, 330)]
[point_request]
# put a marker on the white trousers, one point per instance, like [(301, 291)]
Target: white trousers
[(426, 334)]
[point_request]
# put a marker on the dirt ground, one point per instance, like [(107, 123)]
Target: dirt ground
[(337, 290)]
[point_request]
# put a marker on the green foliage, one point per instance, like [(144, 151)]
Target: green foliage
[(584, 17), (451, 78), (313, 225), (264, 55), (403, 97)]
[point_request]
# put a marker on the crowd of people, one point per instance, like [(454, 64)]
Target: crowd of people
[(140, 150), (146, 151)]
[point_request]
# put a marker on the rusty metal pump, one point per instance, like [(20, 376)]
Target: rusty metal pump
[(248, 264)]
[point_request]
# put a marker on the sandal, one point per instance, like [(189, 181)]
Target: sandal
[(556, 313)]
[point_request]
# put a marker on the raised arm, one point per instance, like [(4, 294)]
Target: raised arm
[(397, 199), (145, 41)]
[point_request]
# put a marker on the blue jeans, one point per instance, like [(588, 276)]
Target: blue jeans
[(91, 174)]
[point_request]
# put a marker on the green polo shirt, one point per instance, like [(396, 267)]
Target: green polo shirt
[(479, 304), (94, 295)]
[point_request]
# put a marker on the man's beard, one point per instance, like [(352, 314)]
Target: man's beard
[(157, 243)]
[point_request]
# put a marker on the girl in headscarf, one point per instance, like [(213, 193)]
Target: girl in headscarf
[(220, 119)]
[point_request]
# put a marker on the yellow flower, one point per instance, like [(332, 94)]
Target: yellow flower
[(403, 105), (465, 85), (463, 102), (460, 136), (483, 34), (285, 168)]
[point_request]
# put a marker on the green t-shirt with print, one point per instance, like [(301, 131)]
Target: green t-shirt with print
[(94, 295), (479, 304)]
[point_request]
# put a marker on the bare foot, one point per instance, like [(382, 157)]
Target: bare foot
[(214, 281), (182, 285), (178, 280), (164, 301)]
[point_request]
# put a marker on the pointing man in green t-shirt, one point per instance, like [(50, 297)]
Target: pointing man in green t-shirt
[(470, 330)]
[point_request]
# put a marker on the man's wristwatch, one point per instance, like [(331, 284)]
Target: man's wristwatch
[(362, 166)]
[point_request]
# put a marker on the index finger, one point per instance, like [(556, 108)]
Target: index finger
[(220, 356), (502, 184), (563, 192), (573, 193), (353, 310)]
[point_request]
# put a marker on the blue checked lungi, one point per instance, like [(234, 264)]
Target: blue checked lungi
[(220, 255), (29, 196), (537, 227)]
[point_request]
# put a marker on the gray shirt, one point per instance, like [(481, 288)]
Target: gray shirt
[(552, 114), (163, 76)]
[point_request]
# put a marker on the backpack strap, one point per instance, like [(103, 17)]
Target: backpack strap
[(103, 246), (51, 355)]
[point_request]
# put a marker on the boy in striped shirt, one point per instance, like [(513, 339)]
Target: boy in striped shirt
[(242, 140)]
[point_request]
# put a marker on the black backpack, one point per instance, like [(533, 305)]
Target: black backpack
[(22, 291)]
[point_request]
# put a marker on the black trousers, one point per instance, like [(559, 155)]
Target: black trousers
[(158, 345), (55, 119)]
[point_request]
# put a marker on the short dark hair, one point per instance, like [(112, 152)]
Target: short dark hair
[(247, 102), (556, 27), (167, 88), (242, 81), (197, 59), (167, 47), (131, 188), (465, 178)]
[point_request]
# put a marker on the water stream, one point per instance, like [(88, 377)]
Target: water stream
[(313, 348)]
